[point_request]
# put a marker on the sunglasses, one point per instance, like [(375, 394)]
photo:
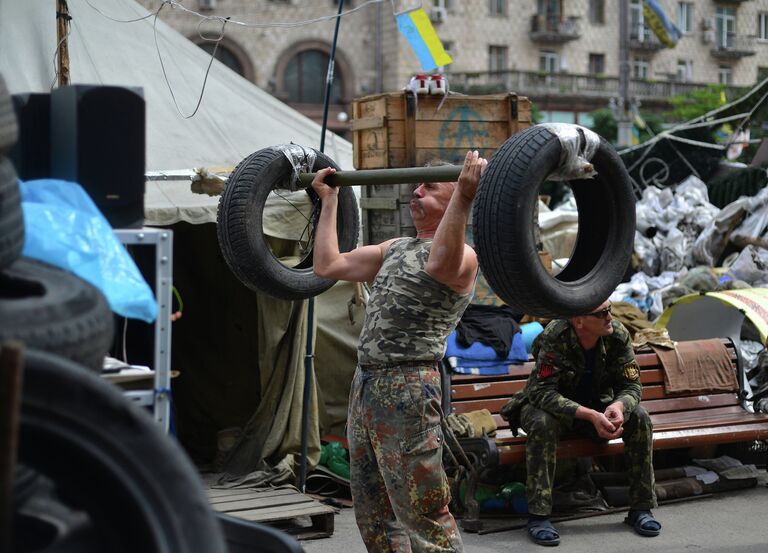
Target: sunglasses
[(602, 314)]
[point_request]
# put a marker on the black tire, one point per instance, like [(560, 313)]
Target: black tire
[(52, 310), (503, 227), (8, 128), (133, 487), (11, 218), (239, 227)]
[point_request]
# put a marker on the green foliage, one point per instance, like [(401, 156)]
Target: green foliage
[(605, 124), (536, 116), (695, 103)]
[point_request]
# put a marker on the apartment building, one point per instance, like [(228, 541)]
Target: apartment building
[(563, 54)]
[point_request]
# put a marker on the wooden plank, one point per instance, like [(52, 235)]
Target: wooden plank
[(249, 503), (274, 496), (409, 131), (514, 370), (515, 453), (373, 122), (696, 416), (279, 512), (506, 389), (492, 107), (230, 492), (690, 403), (493, 405)]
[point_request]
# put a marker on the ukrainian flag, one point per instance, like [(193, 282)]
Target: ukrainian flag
[(660, 24), (421, 35)]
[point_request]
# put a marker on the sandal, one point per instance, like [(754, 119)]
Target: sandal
[(643, 523), (542, 532)]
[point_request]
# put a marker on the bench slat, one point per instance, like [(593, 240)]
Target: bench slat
[(505, 386), (653, 406), (510, 454), (669, 404)]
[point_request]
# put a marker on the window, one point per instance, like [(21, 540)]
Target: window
[(637, 28), (225, 56), (684, 70), (552, 10), (724, 74), (498, 8), (497, 58), (685, 16), (762, 26), (596, 64), (304, 78), (449, 46), (548, 61), (597, 12), (640, 68), (725, 27)]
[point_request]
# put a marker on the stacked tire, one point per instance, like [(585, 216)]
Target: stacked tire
[(94, 473)]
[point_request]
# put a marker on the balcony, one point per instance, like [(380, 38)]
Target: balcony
[(553, 30), (733, 47), (537, 84), (645, 41)]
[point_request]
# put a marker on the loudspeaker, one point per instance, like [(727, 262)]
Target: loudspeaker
[(98, 140), (31, 155)]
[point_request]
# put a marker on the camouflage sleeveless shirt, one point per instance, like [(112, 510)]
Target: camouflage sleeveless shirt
[(409, 314)]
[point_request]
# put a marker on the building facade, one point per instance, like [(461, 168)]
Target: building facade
[(563, 54)]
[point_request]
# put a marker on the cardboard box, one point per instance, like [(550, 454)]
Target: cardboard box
[(398, 129)]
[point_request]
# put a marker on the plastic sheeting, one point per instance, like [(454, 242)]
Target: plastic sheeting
[(64, 227)]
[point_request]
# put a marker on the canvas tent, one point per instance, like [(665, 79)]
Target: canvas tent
[(235, 118), (240, 354)]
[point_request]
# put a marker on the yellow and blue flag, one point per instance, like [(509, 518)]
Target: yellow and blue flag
[(660, 24), (421, 35)]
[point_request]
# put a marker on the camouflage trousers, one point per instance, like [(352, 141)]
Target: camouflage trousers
[(543, 431), (399, 486)]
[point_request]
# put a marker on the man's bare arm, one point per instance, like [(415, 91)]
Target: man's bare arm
[(451, 260), (359, 265)]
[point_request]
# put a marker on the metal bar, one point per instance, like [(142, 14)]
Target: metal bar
[(10, 406), (440, 173)]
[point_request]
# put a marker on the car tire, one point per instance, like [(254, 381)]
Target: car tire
[(53, 310), (243, 243), (503, 227), (115, 481)]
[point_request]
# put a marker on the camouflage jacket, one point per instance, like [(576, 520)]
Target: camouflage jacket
[(560, 365)]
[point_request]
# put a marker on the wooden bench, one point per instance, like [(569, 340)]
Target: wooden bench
[(678, 421)]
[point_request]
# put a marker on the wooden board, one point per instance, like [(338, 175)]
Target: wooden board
[(282, 507)]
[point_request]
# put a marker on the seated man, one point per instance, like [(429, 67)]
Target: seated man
[(586, 381)]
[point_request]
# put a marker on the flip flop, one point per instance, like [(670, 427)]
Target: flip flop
[(542, 532), (643, 523)]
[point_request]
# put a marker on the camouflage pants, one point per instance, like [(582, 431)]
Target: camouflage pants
[(399, 487), (543, 432)]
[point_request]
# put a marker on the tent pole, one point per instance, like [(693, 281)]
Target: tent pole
[(62, 32), (309, 355)]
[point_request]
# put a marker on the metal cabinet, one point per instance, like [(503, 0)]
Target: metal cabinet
[(158, 397)]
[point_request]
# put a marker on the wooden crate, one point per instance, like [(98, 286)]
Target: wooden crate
[(397, 129)]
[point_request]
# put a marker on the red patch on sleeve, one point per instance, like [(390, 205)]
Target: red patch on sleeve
[(546, 370)]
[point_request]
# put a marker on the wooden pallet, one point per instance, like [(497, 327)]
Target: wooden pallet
[(283, 507)]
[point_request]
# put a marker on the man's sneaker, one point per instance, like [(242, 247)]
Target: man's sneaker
[(437, 85)]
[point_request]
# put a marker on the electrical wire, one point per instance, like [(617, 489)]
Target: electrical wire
[(207, 70), (217, 40)]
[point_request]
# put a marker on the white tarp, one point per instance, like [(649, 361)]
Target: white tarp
[(235, 119)]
